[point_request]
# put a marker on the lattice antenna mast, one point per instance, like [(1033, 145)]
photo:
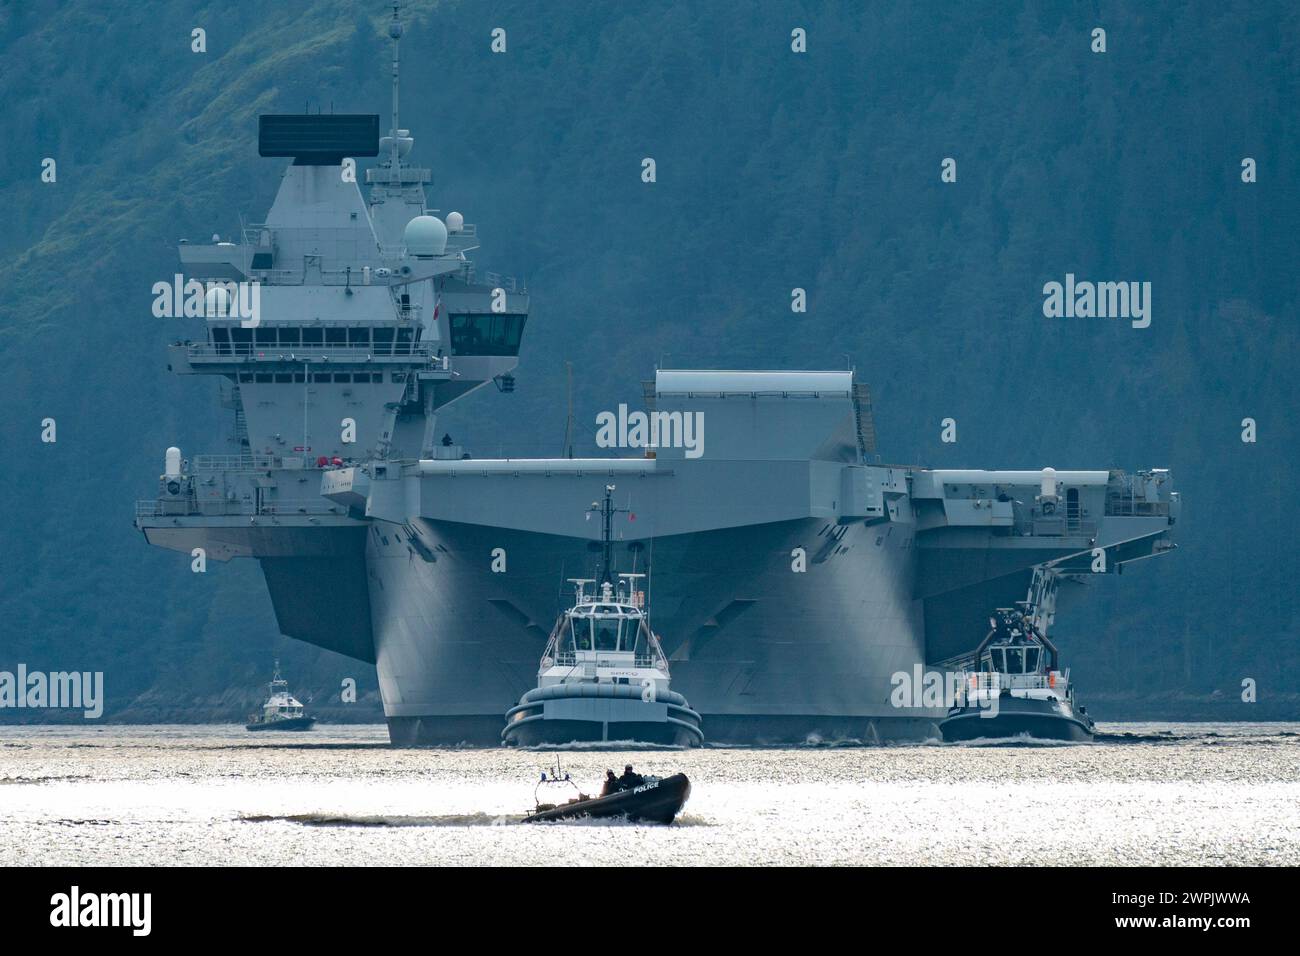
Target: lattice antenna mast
[(395, 31)]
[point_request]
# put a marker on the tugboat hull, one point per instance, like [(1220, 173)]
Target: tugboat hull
[(1016, 716), (601, 713), (655, 801), (288, 723)]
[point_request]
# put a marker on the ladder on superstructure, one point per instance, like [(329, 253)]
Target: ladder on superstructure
[(865, 421)]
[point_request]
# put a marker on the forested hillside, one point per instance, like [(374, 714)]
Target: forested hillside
[(775, 170)]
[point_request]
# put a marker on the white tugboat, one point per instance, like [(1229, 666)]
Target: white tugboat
[(603, 675), (282, 711), (1012, 684)]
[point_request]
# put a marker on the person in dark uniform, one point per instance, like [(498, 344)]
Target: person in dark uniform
[(611, 784), (630, 779)]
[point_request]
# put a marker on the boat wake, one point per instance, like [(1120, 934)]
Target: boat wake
[(448, 820), (601, 745), (1207, 737), (384, 820)]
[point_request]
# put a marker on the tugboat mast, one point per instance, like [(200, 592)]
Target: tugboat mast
[(607, 511)]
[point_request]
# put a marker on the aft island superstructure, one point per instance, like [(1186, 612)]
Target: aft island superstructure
[(792, 576)]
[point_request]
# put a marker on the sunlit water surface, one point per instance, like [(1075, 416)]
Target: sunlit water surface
[(213, 795)]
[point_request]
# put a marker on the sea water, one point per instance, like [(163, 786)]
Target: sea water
[(1181, 794)]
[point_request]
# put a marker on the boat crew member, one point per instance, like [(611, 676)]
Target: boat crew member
[(611, 784), (630, 779)]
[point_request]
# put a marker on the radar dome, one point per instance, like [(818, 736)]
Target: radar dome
[(455, 222), (216, 303), (1049, 483), (425, 236)]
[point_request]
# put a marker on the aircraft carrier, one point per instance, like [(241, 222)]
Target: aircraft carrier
[(793, 575)]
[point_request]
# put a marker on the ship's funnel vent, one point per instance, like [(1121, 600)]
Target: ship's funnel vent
[(318, 140)]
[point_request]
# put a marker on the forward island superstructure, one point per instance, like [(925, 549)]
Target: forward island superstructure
[(793, 578)]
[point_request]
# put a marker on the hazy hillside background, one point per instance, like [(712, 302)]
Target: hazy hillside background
[(774, 171)]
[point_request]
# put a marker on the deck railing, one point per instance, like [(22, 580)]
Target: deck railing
[(219, 507), (994, 680), (571, 660), (305, 353)]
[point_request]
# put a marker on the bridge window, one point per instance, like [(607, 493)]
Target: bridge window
[(607, 634), (313, 336), (486, 334), (581, 634), (632, 640)]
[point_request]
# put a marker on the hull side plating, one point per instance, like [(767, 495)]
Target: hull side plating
[(785, 655)]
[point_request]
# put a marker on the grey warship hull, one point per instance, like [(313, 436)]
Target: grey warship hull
[(778, 658), (795, 580), (778, 632), (861, 575)]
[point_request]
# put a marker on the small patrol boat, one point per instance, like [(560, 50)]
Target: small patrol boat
[(642, 799), (603, 675), (1014, 686), (282, 711)]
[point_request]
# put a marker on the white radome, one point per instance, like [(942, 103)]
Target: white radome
[(455, 222), (425, 236), (1049, 483), (216, 303)]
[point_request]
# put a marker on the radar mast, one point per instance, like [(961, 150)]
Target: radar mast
[(395, 31)]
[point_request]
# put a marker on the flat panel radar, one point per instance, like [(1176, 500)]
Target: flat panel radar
[(318, 140)]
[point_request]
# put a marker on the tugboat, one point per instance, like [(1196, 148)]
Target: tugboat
[(603, 675), (1012, 684), (282, 711), (640, 799)]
